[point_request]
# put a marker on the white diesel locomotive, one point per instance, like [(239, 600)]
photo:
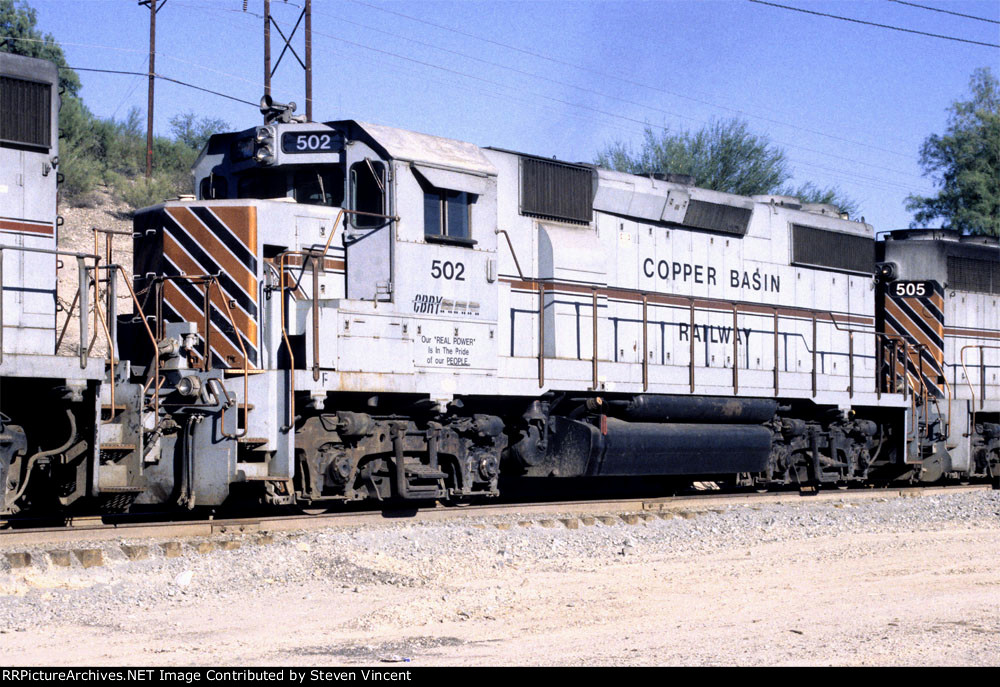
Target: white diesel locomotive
[(351, 311)]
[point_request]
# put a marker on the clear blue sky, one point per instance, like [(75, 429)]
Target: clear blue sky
[(850, 103)]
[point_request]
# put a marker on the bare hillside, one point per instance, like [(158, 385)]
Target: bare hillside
[(101, 212)]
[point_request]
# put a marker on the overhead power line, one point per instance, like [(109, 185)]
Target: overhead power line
[(105, 71), (607, 95), (62, 43), (938, 9), (207, 90), (159, 53), (129, 92), (622, 79), (871, 23), (165, 78), (566, 102)]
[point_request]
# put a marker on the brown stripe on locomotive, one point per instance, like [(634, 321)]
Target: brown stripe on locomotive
[(242, 222), (27, 226), (185, 265), (914, 312)]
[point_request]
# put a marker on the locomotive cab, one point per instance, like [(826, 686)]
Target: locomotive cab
[(403, 203)]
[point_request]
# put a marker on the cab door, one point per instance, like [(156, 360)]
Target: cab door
[(368, 237)]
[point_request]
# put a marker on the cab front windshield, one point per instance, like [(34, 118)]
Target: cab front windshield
[(310, 185)]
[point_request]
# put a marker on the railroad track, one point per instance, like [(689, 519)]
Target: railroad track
[(94, 528)]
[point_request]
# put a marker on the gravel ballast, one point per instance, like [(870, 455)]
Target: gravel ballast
[(797, 583)]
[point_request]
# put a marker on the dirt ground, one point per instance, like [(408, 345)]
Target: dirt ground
[(918, 598)]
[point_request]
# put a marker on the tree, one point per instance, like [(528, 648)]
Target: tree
[(193, 131), (21, 37), (965, 164), (94, 150), (810, 193), (724, 156)]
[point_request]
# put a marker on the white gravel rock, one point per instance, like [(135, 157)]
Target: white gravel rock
[(446, 569)]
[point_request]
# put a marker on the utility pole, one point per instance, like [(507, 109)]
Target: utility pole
[(309, 62), (305, 64), (267, 47), (153, 9)]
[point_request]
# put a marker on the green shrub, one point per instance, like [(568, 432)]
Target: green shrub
[(89, 200), (142, 192), (114, 153), (81, 173)]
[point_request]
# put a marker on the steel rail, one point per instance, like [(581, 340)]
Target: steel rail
[(93, 528)]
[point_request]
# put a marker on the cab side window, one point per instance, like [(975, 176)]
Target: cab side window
[(447, 213), (368, 193)]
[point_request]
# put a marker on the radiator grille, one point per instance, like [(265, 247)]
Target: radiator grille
[(717, 217), (25, 112), (971, 274), (832, 250), (556, 190)]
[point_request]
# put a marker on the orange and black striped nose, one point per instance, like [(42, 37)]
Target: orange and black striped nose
[(914, 312), (220, 241)]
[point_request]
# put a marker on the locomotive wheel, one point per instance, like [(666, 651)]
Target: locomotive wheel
[(311, 511), (462, 501)]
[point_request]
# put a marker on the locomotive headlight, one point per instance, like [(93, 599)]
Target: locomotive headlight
[(264, 155), (264, 138), (189, 386), (886, 271), (265, 134)]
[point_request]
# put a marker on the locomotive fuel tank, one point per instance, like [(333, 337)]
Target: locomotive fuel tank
[(612, 447), (647, 448)]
